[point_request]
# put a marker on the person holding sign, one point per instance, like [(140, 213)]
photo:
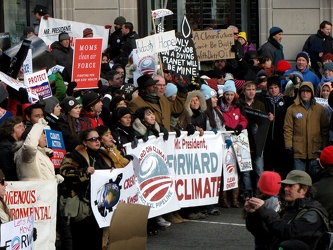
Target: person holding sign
[(235, 120)]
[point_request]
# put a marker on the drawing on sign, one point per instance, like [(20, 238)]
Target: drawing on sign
[(183, 59)]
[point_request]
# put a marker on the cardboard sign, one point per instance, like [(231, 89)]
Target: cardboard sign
[(18, 234), (156, 43), (87, 62), (128, 227), (214, 44), (183, 59), (38, 84)]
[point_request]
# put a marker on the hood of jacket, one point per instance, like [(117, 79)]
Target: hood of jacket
[(202, 101), (298, 100)]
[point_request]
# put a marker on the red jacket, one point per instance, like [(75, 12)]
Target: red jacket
[(90, 120), (234, 117)]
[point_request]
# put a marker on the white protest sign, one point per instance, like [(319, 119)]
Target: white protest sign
[(241, 146), (50, 29), (27, 64), (156, 43), (18, 234), (230, 175), (161, 13), (38, 84)]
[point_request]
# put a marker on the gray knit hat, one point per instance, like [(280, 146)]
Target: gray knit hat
[(50, 103)]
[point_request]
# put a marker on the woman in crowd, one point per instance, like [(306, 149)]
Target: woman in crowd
[(53, 111), (10, 132), (234, 121), (69, 123), (88, 157), (32, 157)]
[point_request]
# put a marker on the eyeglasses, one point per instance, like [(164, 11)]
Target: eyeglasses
[(94, 139), (2, 182)]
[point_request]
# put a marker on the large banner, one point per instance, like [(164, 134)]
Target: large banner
[(18, 234), (50, 29), (214, 44), (87, 62), (39, 198)]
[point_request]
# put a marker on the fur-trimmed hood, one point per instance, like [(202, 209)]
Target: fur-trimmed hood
[(202, 101), (142, 129)]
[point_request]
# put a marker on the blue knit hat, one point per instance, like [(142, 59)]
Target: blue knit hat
[(229, 86), (328, 66), (171, 89), (207, 91), (304, 55), (274, 30)]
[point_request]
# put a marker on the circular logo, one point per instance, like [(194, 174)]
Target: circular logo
[(71, 103), (281, 103)]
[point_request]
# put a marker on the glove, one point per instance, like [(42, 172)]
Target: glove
[(23, 95), (238, 129), (34, 234), (214, 130), (45, 17), (165, 135), (228, 142), (293, 78), (129, 157), (60, 179), (41, 101), (12, 93), (107, 26), (70, 88), (182, 88), (190, 129), (234, 48), (290, 152), (145, 138), (155, 132), (178, 133), (228, 128), (100, 84), (42, 121), (134, 142)]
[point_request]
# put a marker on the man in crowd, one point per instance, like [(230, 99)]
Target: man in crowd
[(306, 130), (115, 38), (319, 44), (300, 221)]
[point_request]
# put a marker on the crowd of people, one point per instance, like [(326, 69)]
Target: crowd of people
[(96, 123)]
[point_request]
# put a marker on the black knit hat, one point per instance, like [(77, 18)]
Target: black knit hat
[(145, 81), (121, 112), (274, 79), (90, 99), (69, 103), (40, 9)]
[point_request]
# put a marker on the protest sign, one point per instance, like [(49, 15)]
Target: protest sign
[(50, 29), (183, 59), (15, 84), (18, 234), (87, 62), (258, 125), (39, 198), (4, 41), (145, 65), (198, 167), (108, 188), (27, 64), (38, 84), (324, 103), (55, 141), (212, 45), (156, 43), (241, 146), (161, 13), (230, 173)]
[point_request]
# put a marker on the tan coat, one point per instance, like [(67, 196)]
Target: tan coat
[(306, 131), (163, 110)]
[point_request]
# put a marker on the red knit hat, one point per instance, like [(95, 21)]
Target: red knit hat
[(282, 66), (326, 157), (327, 56), (269, 183), (212, 83)]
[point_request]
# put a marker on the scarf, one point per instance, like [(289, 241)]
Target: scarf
[(152, 98), (225, 108), (274, 99), (324, 79)]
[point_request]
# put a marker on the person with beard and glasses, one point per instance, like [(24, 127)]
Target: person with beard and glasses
[(319, 44), (115, 38), (163, 108)]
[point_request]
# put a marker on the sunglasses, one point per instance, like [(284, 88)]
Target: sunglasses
[(236, 33), (94, 139), (2, 182)]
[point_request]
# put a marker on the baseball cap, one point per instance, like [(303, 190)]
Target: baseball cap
[(297, 177)]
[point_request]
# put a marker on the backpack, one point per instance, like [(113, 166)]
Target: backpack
[(326, 241)]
